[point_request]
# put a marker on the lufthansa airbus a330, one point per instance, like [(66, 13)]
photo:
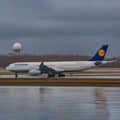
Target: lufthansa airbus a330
[(53, 68)]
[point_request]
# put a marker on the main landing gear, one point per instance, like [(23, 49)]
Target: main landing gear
[(53, 75), (61, 75)]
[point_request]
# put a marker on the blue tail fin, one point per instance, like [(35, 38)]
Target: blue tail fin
[(99, 56)]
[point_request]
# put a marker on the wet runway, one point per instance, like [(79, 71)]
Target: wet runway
[(103, 76), (103, 73), (99, 77)]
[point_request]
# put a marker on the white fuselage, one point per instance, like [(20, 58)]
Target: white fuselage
[(70, 66)]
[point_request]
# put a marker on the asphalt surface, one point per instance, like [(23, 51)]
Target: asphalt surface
[(103, 76)]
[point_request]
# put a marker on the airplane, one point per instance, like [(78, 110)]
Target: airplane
[(53, 68)]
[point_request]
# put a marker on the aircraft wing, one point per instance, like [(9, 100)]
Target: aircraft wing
[(47, 69)]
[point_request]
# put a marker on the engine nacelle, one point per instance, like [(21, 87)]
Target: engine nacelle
[(34, 72)]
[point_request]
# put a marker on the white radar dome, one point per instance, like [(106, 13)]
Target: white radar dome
[(17, 47)]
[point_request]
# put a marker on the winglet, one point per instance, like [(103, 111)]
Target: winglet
[(99, 56)]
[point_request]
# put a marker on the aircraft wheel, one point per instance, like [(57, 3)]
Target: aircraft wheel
[(51, 75), (61, 75)]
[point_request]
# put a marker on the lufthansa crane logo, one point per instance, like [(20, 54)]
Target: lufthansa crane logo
[(101, 52)]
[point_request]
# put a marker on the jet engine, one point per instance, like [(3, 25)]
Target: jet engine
[(34, 72)]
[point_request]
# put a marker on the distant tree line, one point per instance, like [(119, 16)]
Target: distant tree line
[(5, 60)]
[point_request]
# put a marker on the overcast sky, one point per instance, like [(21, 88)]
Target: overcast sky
[(60, 26)]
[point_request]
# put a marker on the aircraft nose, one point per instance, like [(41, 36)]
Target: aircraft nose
[(7, 68)]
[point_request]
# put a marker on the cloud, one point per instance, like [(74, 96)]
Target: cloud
[(60, 26)]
